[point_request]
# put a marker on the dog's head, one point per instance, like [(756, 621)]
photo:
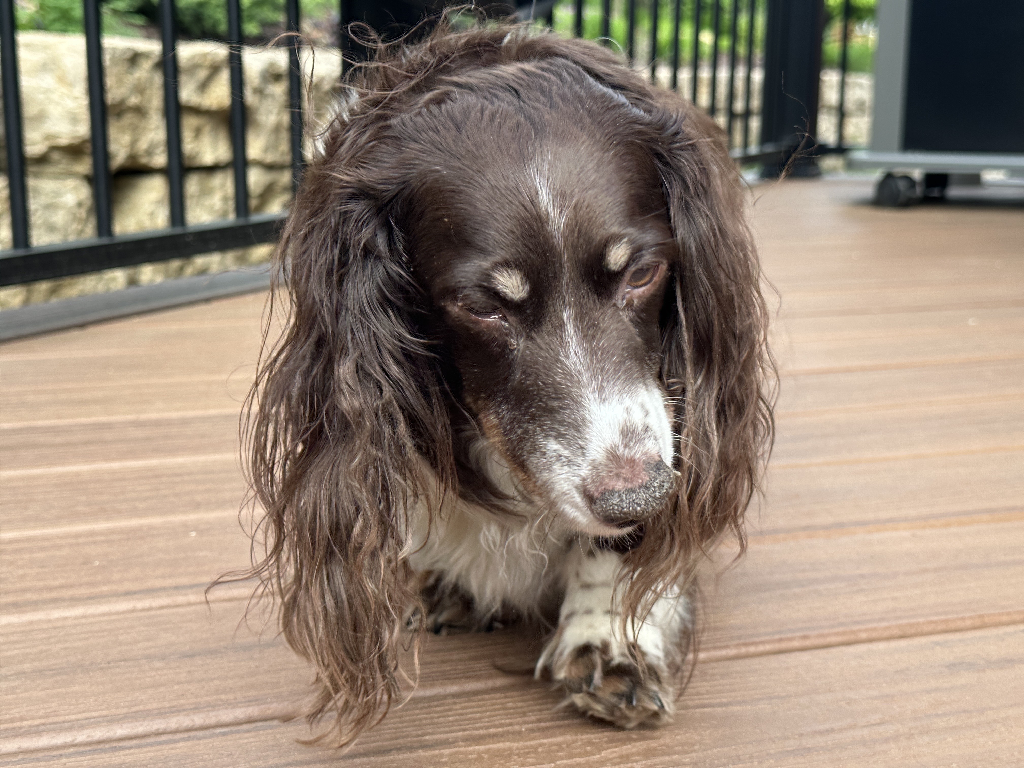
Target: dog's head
[(533, 218), (512, 258)]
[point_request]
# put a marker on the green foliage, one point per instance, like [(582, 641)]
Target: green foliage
[(860, 10), (67, 16), (196, 18), (860, 55), (209, 18)]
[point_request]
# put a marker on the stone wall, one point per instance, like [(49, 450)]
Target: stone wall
[(55, 112)]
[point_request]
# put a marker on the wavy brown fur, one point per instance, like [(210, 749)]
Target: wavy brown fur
[(351, 396)]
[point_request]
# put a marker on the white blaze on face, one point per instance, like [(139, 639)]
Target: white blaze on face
[(553, 213), (616, 416)]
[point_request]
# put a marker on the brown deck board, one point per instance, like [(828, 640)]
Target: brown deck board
[(943, 700), (908, 490), (106, 493), (876, 619)]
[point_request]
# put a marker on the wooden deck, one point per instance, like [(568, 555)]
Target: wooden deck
[(877, 619)]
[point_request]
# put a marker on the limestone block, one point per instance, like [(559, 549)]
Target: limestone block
[(59, 209), (205, 83), (209, 195), (140, 202), (265, 79), (135, 106), (270, 189), (55, 102), (134, 74), (268, 126)]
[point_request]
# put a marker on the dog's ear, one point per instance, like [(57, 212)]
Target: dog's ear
[(346, 407), (716, 362)]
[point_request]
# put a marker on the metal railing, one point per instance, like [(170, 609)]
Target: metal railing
[(718, 44)]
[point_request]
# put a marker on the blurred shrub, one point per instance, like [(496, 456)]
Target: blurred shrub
[(196, 18)]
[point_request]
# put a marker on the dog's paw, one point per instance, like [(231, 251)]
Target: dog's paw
[(617, 685), (447, 610)]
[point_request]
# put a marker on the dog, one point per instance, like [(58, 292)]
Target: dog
[(524, 376)]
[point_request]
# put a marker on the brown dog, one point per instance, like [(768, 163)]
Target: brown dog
[(524, 373)]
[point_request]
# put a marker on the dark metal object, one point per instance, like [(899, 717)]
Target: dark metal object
[(654, 39), (238, 161), (676, 22), (751, 19), (97, 118), (842, 72), (713, 108), (295, 90), (606, 18), (733, 31), (12, 128), (578, 19), (631, 30), (792, 69), (696, 49), (172, 112), (895, 191), (23, 265)]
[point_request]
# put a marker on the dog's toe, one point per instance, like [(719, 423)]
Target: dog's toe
[(616, 690)]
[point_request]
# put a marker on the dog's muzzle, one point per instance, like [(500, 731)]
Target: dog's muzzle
[(635, 503)]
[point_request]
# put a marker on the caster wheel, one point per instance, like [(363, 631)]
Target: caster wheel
[(895, 191), (934, 187)]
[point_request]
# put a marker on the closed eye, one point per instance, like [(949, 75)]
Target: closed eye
[(481, 309)]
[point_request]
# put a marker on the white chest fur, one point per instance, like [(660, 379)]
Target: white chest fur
[(514, 562)]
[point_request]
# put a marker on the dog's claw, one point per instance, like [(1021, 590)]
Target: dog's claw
[(657, 700)]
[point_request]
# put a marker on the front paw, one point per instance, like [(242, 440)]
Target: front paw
[(616, 684)]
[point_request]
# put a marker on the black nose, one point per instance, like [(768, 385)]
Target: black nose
[(636, 503)]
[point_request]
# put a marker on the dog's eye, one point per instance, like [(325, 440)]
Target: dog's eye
[(643, 276), (482, 310)]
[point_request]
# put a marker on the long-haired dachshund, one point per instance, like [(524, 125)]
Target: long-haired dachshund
[(524, 372)]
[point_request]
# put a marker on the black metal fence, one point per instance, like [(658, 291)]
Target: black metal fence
[(708, 48)]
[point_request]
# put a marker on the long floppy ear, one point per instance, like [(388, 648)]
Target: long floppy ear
[(716, 360), (344, 409)]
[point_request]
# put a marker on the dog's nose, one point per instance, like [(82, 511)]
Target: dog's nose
[(633, 493)]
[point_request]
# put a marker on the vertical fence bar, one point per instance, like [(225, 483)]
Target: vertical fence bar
[(13, 128), (677, 13), (631, 30), (294, 89), (842, 72), (696, 48), (733, 32), (345, 17), (606, 19), (97, 117), (172, 112), (578, 19), (751, 20), (713, 110), (655, 7), (238, 160)]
